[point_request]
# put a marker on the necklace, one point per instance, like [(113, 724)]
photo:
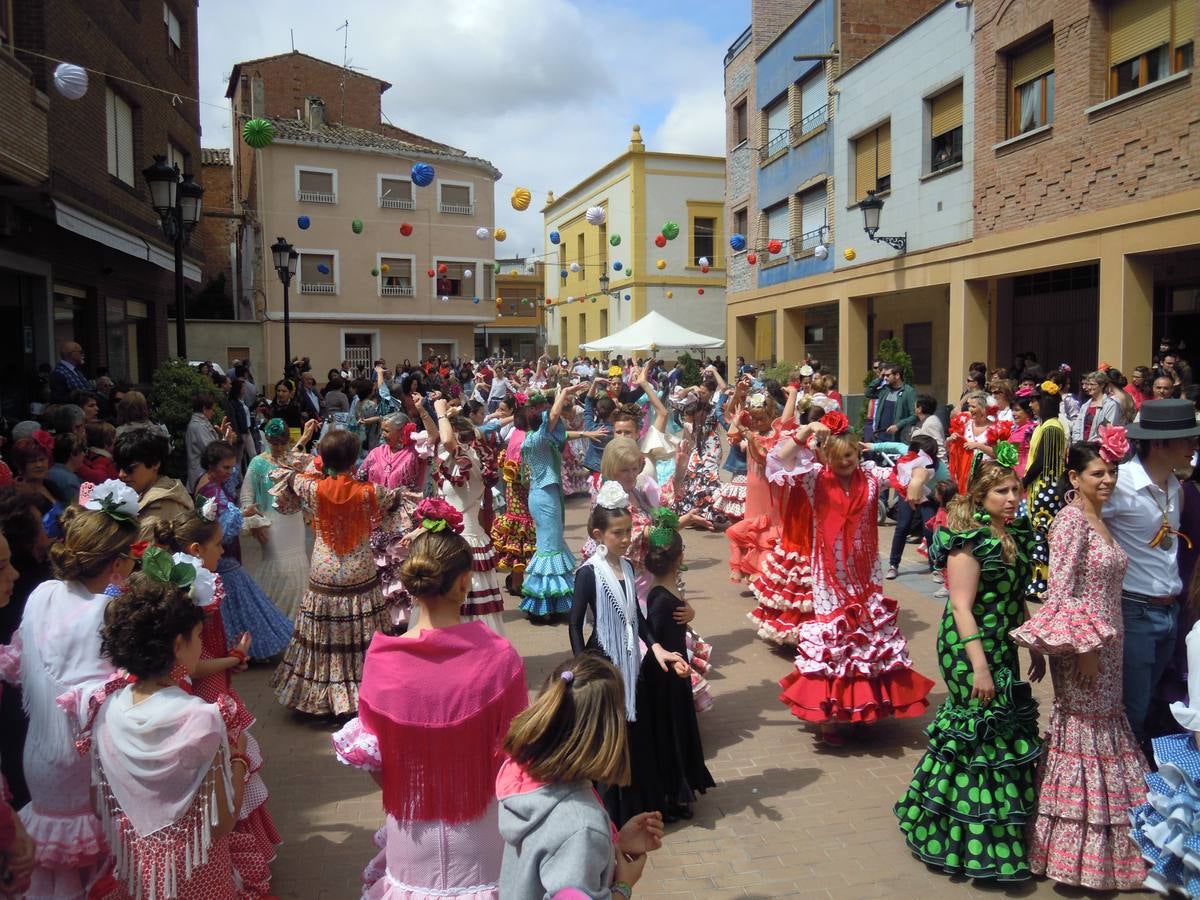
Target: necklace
[(1164, 538)]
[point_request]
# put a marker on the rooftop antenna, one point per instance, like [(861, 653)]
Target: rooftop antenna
[(292, 32), (345, 26)]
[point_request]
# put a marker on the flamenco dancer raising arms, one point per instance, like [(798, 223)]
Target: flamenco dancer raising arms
[(852, 663)]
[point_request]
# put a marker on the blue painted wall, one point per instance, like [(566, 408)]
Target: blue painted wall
[(774, 71)]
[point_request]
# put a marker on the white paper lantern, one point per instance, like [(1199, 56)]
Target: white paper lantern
[(574, 267), (467, 273), (71, 80), (596, 215), (445, 299), (821, 251), (482, 233), (704, 260)]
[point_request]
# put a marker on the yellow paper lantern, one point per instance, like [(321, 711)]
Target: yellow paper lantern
[(670, 294), (849, 253), (499, 234), (520, 199), (385, 268), (661, 264)]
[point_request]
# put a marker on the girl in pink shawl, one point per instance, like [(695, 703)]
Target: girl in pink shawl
[(434, 706)]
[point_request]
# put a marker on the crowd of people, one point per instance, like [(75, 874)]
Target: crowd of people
[(399, 510)]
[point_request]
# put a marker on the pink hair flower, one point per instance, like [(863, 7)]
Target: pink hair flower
[(435, 514), (1114, 444)]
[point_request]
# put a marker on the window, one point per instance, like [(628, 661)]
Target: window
[(128, 335), (580, 252), (456, 199), (395, 192), (945, 128), (777, 223), (582, 330), (740, 123), (119, 116), (562, 261), (174, 32), (873, 162), (741, 222), (811, 206), (318, 272), (604, 323), (1031, 95), (452, 282), (176, 157), (775, 127), (704, 239), (316, 185), (396, 276), (814, 102), (562, 334), (1148, 40)]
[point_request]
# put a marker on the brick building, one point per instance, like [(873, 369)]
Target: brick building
[(82, 256)]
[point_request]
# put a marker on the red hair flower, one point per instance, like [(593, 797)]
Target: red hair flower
[(836, 422), (45, 440), (436, 514), (1114, 445)]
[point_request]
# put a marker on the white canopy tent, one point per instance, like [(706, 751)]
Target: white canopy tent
[(653, 329)]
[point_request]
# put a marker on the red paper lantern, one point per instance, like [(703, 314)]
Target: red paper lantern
[(442, 268), (704, 269), (752, 258), (699, 290), (430, 272), (660, 241), (405, 229), (774, 245)]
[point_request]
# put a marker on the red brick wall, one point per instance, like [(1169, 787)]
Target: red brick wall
[(24, 144), (218, 228), (1143, 148), (289, 79), (868, 24)]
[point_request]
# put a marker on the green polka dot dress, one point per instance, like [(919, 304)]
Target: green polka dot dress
[(973, 791)]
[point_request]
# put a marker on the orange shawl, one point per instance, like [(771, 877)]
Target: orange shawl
[(347, 510)]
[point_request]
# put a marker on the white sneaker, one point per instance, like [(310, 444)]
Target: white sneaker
[(941, 592), (891, 573)]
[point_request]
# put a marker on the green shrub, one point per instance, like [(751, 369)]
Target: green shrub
[(891, 351), (691, 369), (781, 371), (172, 387)]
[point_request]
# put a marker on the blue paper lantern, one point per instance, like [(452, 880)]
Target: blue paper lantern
[(303, 222), (422, 174), (474, 299), (554, 238), (627, 297), (617, 267), (737, 242), (562, 274), (322, 268)]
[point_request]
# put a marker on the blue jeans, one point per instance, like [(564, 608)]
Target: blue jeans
[(907, 520), (1149, 645)]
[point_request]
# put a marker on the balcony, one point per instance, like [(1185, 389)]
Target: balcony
[(316, 197), (396, 203), (774, 145), (397, 290), (317, 287), (807, 242), (457, 209), (811, 122)]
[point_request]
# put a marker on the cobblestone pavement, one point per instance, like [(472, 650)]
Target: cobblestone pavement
[(788, 818)]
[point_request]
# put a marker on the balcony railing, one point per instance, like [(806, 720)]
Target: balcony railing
[(458, 209), (808, 240), (317, 287), (396, 203), (774, 145), (316, 197), (813, 120), (397, 290)]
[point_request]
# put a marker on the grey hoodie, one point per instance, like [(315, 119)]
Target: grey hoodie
[(556, 836)]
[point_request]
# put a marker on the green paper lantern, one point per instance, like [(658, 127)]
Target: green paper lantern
[(629, 273), (670, 230), (258, 133), (356, 226), (374, 273), (496, 269), (615, 240)]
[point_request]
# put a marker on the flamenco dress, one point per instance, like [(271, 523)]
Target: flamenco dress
[(852, 663), (958, 458), (513, 531), (549, 576), (246, 607), (1092, 771), (1166, 826), (752, 538), (973, 792), (731, 497), (1048, 451), (282, 571)]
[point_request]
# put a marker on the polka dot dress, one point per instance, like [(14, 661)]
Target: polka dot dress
[(974, 789)]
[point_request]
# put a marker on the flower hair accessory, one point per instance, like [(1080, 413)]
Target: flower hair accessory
[(664, 524), (209, 510), (436, 514), (757, 401), (115, 498), (1049, 387), (537, 398), (1006, 454), (275, 429), (612, 496), (159, 565), (204, 588), (1114, 445), (836, 422), (45, 440), (521, 398)]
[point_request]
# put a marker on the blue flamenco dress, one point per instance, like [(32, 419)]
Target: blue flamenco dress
[(549, 583), (246, 607)]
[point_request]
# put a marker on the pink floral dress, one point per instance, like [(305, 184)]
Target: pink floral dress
[(1092, 771)]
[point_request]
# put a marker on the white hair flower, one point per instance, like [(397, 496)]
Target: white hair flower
[(612, 496), (116, 498), (204, 588), (209, 510), (757, 400)]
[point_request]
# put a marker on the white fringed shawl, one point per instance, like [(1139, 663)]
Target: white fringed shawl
[(616, 622)]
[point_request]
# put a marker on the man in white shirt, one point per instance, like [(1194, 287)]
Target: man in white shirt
[(498, 391), (1143, 516)]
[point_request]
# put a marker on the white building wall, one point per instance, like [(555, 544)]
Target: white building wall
[(895, 82)]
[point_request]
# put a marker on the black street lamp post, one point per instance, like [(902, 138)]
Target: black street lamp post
[(871, 207), (177, 200), (285, 258)]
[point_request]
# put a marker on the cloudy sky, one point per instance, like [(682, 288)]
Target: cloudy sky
[(546, 89)]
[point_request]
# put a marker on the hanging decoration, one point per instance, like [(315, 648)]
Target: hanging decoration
[(661, 264), (574, 267), (615, 240), (629, 273), (406, 228), (700, 291), (617, 266), (660, 240), (323, 268), (475, 300), (702, 262), (774, 245), (495, 268), (467, 273), (628, 297), (670, 294), (356, 226), (849, 253), (482, 233), (596, 215), (422, 174), (442, 268), (430, 272), (71, 81), (302, 222), (385, 268), (737, 243), (520, 199), (445, 299), (752, 258), (500, 234), (704, 268), (554, 237), (374, 273), (670, 230), (563, 274), (258, 133)]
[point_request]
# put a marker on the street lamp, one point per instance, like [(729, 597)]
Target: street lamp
[(177, 200), (285, 258), (871, 207)]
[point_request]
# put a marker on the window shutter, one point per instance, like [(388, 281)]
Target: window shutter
[(778, 222), (110, 109), (864, 165), (1033, 62), (946, 111), (456, 194), (316, 182), (124, 121), (1185, 22), (885, 151), (1137, 26), (813, 217), (764, 336), (815, 93)]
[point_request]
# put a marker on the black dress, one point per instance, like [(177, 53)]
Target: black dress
[(667, 716)]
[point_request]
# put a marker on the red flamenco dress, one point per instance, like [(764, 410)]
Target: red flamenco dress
[(752, 537), (782, 581), (958, 458), (852, 662), (254, 838)]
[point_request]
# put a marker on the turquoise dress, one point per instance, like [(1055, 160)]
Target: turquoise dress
[(549, 583)]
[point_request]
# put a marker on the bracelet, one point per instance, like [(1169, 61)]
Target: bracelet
[(244, 760), (625, 890), (976, 636), (238, 654)]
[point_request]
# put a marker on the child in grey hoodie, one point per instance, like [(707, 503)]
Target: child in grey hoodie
[(557, 834)]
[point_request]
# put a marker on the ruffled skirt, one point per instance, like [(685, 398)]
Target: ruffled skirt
[(283, 571), (247, 608), (783, 588), (1166, 826), (972, 794), (70, 851), (484, 601), (731, 498), (750, 540), (549, 583)]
